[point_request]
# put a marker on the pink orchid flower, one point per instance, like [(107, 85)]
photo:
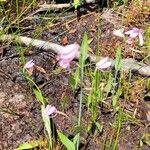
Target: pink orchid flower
[(66, 55), (29, 64), (133, 34), (50, 111), (103, 64)]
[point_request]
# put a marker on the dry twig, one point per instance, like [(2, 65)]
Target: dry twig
[(127, 64)]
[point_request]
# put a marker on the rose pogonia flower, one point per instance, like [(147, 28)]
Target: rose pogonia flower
[(29, 64), (50, 111), (118, 32), (103, 64), (66, 55), (133, 34)]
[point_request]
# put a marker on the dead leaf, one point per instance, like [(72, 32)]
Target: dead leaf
[(90, 50), (63, 95), (30, 71), (72, 31), (67, 26), (148, 115), (40, 69), (92, 30), (64, 40)]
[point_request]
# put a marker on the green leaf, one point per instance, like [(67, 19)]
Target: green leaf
[(114, 100), (83, 50), (28, 145), (116, 97), (147, 38), (71, 81), (75, 139), (118, 59), (99, 127), (46, 121), (76, 3), (47, 125), (148, 84), (109, 84), (68, 143), (39, 96), (76, 77)]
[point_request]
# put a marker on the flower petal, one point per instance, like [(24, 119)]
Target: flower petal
[(69, 56), (134, 34), (106, 65), (29, 64), (118, 33), (102, 61), (129, 32), (66, 55), (50, 110), (103, 64), (64, 63), (129, 40), (69, 48)]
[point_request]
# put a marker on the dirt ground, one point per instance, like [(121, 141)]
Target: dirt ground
[(20, 115)]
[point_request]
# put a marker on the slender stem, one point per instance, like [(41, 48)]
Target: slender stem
[(80, 106)]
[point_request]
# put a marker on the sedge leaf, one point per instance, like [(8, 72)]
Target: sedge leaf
[(28, 145), (68, 143), (39, 96), (83, 50), (118, 59)]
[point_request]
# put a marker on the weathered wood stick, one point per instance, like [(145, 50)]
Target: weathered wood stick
[(126, 64), (54, 6)]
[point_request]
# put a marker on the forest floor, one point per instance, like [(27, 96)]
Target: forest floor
[(20, 114)]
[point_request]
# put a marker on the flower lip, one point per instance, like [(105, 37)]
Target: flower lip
[(29, 64), (64, 63)]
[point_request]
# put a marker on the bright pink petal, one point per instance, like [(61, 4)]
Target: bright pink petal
[(50, 110), (29, 64)]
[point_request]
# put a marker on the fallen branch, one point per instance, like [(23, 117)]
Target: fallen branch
[(127, 64), (54, 6)]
